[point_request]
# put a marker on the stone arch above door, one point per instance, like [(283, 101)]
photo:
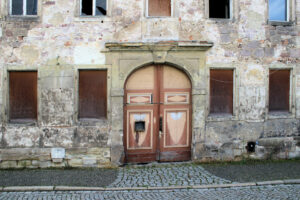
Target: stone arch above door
[(125, 58)]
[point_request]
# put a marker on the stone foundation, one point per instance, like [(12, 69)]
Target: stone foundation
[(41, 158)]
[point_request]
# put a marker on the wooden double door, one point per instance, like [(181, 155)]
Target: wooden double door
[(157, 115)]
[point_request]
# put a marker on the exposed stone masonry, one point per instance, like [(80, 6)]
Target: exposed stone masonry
[(58, 42)]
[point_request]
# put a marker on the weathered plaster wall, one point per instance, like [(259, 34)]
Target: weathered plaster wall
[(58, 42)]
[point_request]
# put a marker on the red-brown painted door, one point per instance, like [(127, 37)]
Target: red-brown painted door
[(157, 115)]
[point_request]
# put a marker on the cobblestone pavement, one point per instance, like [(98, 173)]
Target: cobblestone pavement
[(255, 192), (179, 174)]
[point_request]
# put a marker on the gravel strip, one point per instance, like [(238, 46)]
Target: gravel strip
[(57, 177), (256, 171)]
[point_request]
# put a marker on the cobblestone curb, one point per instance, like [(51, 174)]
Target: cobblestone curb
[(27, 188), (70, 188)]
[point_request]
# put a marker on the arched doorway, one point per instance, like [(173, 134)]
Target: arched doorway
[(157, 115)]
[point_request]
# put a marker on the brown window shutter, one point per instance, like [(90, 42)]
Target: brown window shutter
[(92, 94), (221, 91), (279, 90), (23, 95), (159, 7)]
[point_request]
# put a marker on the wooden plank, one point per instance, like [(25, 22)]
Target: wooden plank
[(23, 95), (159, 7), (92, 93), (279, 90), (221, 91)]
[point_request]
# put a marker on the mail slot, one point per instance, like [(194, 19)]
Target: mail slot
[(139, 126)]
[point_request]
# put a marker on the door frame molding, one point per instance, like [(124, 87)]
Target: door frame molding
[(125, 58)]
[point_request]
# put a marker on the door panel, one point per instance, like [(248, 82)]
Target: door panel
[(176, 126), (158, 112), (139, 129)]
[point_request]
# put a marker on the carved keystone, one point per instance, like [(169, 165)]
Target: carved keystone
[(159, 56)]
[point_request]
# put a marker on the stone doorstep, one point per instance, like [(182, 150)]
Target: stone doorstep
[(71, 188)]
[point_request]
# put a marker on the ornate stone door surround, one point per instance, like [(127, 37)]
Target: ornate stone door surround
[(125, 58)]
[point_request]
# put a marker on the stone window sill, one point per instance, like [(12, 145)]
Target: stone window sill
[(27, 122), (160, 17), (221, 20), (279, 23), (163, 18), (101, 19), (23, 18), (216, 117), (280, 115), (91, 121)]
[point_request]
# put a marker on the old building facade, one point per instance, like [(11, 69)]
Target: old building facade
[(103, 82)]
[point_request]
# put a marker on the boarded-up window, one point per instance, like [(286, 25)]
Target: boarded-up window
[(22, 95), (219, 9), (221, 91), (159, 8), (279, 90), (92, 94)]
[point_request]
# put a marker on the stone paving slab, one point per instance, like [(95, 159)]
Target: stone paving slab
[(268, 192)]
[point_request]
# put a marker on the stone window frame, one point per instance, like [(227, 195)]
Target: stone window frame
[(235, 100), (291, 17), (92, 122), (5, 99), (292, 107), (172, 10), (80, 17), (233, 11), (6, 12)]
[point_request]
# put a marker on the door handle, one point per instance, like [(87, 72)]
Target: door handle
[(160, 124)]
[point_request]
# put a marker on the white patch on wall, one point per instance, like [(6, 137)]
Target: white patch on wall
[(58, 153), (0, 31), (88, 55)]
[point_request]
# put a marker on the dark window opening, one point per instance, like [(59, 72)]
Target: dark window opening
[(279, 90), (219, 9), (92, 94), (17, 7), (22, 95), (221, 91), (159, 8), (87, 7), (31, 7), (100, 7)]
